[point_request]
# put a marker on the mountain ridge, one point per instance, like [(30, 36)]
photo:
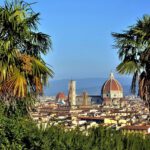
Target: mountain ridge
[(91, 85)]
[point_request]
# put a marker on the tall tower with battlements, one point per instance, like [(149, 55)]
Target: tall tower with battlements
[(72, 93)]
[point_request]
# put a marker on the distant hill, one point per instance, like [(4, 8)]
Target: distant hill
[(91, 85)]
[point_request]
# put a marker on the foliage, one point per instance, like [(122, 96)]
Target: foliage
[(24, 134), (134, 51), (23, 71)]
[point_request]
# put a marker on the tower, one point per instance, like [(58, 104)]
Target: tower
[(85, 98), (72, 93)]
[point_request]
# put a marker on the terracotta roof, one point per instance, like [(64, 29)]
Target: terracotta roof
[(111, 85), (106, 99), (61, 96)]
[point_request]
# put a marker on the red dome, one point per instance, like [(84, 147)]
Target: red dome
[(111, 85), (61, 96)]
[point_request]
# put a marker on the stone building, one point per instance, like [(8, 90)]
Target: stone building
[(111, 94), (112, 91), (81, 100), (91, 100), (72, 93)]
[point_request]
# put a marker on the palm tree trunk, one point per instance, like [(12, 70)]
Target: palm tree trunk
[(147, 88), (144, 89), (147, 98)]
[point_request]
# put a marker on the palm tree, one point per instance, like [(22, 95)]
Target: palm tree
[(134, 51), (23, 71)]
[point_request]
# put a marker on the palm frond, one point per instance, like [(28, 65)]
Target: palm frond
[(15, 84), (21, 46), (127, 67), (40, 68)]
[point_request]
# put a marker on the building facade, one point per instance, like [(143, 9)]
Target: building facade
[(112, 91)]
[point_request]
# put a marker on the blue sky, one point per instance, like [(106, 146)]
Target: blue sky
[(81, 33)]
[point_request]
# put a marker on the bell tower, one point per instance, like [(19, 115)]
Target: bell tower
[(72, 93)]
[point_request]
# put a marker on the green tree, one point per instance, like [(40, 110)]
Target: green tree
[(134, 52), (23, 71)]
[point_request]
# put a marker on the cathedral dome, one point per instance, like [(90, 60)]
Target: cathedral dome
[(112, 88), (60, 96)]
